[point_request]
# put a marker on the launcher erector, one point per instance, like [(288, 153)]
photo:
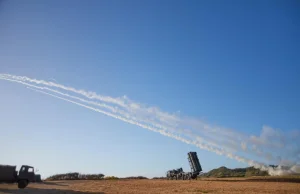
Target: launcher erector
[(195, 169)]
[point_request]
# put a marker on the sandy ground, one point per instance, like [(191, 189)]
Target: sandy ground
[(156, 186)]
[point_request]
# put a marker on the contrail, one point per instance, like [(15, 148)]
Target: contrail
[(91, 95), (193, 122), (151, 113), (228, 138), (208, 140), (163, 122)]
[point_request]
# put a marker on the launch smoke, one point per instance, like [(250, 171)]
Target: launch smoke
[(272, 146)]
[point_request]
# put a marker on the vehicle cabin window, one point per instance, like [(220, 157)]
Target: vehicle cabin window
[(23, 169), (30, 169)]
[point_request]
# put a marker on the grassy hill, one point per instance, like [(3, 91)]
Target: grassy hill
[(224, 172)]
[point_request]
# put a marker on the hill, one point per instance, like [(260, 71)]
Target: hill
[(223, 172)]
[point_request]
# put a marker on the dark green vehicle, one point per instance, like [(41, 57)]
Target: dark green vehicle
[(195, 169), (8, 174)]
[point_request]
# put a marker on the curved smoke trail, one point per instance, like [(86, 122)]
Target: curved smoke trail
[(170, 125), (211, 141)]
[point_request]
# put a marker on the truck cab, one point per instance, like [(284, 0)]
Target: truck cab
[(26, 175)]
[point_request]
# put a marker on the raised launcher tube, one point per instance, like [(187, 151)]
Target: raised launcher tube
[(194, 164)]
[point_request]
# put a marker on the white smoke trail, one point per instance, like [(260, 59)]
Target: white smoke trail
[(206, 139), (91, 95), (163, 125), (154, 115), (221, 137), (230, 138)]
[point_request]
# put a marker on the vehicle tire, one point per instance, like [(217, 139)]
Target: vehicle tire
[(22, 184)]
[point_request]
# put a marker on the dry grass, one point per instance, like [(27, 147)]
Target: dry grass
[(237, 185)]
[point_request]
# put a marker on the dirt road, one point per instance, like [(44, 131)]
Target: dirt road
[(155, 186)]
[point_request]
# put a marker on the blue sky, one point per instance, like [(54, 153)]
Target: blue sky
[(234, 64)]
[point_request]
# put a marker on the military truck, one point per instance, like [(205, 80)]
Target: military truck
[(8, 174), (174, 174), (180, 174)]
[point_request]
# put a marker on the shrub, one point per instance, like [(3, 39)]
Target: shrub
[(111, 178), (75, 176)]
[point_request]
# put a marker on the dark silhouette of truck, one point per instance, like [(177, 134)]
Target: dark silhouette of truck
[(8, 174), (180, 174)]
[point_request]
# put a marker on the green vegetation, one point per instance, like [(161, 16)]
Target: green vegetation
[(224, 172), (78, 176), (75, 176), (111, 178)]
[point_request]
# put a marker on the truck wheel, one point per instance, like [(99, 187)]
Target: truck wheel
[(22, 184)]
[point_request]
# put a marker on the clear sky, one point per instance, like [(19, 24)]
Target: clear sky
[(235, 64)]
